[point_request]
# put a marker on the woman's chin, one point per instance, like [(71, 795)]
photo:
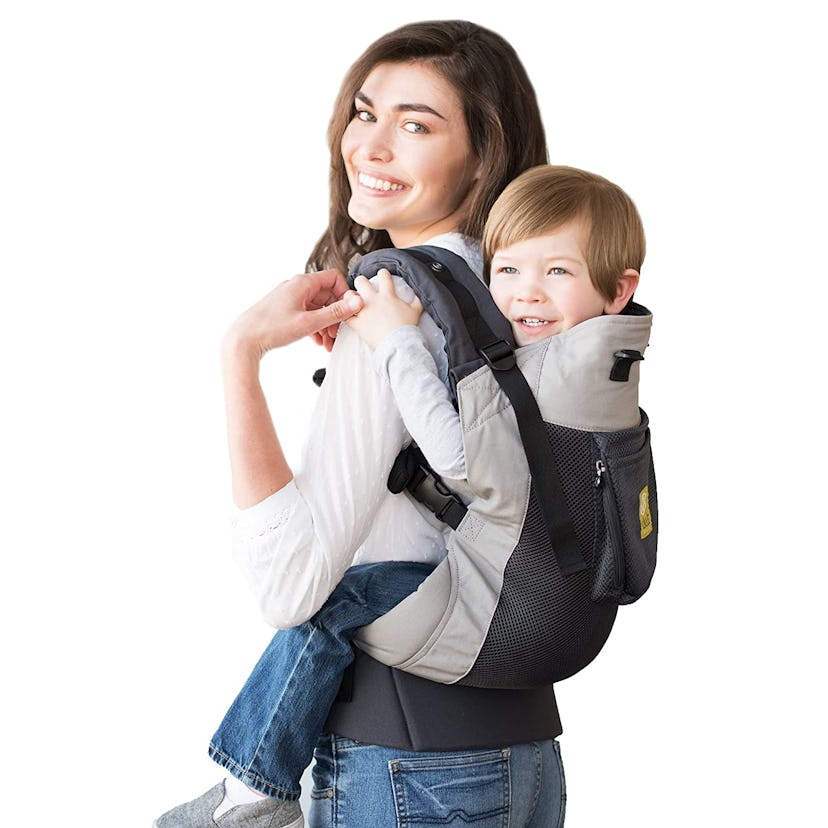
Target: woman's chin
[(376, 212), (366, 218)]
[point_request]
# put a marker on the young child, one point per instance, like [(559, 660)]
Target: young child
[(564, 246)]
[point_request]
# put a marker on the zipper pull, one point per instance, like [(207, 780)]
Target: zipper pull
[(600, 468)]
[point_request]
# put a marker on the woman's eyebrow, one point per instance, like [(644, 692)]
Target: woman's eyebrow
[(402, 107), (413, 107)]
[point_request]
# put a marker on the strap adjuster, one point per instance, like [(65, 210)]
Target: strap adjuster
[(624, 360), (500, 355)]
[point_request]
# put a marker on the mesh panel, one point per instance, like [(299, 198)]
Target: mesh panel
[(545, 627)]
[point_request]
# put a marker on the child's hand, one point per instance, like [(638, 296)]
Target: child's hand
[(383, 310)]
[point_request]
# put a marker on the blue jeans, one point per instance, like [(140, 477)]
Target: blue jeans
[(358, 785), (267, 736)]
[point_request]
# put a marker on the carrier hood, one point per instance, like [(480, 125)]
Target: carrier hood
[(569, 374)]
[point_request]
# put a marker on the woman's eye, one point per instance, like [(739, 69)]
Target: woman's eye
[(507, 269), (364, 115), (415, 126)]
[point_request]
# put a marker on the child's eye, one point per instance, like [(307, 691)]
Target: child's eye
[(558, 271), (416, 127), (507, 269), (364, 115)]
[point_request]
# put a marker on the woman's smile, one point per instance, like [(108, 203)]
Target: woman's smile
[(379, 185)]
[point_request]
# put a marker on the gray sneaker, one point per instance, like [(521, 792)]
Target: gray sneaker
[(269, 813)]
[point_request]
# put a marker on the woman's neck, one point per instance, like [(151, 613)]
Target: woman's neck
[(411, 236)]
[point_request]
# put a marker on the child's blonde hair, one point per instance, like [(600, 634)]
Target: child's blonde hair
[(543, 198)]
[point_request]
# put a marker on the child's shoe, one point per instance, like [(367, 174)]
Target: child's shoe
[(269, 812)]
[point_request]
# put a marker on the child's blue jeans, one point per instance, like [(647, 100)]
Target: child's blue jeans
[(267, 737)]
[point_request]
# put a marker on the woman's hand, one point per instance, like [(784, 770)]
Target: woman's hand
[(384, 311), (308, 304)]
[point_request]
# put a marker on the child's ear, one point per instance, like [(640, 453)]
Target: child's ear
[(627, 283)]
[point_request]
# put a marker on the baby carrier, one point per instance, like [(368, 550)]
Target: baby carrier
[(556, 524)]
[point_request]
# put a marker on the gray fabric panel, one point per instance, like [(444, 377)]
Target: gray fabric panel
[(416, 620)]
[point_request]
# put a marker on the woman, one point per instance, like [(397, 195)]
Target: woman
[(430, 124)]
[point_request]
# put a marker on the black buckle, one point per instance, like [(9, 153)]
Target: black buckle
[(437, 497), (500, 355)]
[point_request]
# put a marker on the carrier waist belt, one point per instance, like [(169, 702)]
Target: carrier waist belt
[(391, 708)]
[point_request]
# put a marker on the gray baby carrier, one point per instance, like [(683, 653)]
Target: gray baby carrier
[(556, 524)]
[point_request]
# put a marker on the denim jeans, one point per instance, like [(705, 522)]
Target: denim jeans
[(356, 786), (267, 736)]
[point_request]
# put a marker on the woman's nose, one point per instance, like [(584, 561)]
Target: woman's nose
[(376, 145)]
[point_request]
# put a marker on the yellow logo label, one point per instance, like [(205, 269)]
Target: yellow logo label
[(644, 516)]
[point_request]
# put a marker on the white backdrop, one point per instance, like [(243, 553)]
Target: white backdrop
[(164, 164)]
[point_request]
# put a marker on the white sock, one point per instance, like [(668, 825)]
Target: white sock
[(236, 793)]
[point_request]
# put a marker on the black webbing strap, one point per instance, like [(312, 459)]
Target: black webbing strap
[(539, 452)]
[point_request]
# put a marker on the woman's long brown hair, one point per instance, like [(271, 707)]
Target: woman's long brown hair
[(502, 117)]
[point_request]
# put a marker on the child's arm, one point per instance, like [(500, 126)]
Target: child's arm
[(388, 324)]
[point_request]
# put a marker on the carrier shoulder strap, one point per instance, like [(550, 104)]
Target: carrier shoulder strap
[(480, 316), (541, 458)]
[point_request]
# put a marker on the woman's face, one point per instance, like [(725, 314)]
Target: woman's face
[(407, 154)]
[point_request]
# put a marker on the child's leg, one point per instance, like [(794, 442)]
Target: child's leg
[(267, 736)]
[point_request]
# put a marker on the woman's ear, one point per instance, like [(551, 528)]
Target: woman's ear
[(627, 283)]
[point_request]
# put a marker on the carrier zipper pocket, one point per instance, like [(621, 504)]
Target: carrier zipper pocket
[(613, 523), (625, 559)]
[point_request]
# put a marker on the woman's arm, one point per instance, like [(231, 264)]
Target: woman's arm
[(299, 307), (257, 463)]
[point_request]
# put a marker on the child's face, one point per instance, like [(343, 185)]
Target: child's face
[(542, 284)]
